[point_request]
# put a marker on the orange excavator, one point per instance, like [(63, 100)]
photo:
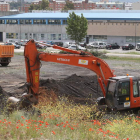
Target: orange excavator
[(119, 92)]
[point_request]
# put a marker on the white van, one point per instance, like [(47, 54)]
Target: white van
[(99, 45), (138, 47)]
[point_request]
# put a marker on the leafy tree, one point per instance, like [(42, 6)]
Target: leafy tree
[(68, 6), (44, 4), (14, 5), (31, 7), (77, 27)]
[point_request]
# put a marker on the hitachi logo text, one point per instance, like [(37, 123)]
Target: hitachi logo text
[(63, 59)]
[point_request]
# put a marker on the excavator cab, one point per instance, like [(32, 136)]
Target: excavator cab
[(123, 92)]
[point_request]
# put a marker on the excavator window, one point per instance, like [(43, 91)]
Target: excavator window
[(135, 89), (111, 93), (123, 92), (124, 88)]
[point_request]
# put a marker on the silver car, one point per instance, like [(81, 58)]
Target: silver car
[(75, 47)]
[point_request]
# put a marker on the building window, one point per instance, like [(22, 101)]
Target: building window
[(64, 21), (26, 36), (2, 22), (90, 38), (65, 37), (22, 21), (28, 21), (37, 21), (53, 36), (48, 36), (12, 35), (12, 22), (132, 39), (99, 38), (54, 21), (42, 37), (34, 36)]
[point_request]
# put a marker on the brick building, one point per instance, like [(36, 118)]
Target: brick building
[(24, 8), (4, 6), (78, 5), (57, 5)]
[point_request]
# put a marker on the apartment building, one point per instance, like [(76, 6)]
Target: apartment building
[(4, 6)]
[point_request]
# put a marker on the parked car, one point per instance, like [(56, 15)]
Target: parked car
[(138, 47), (112, 46), (23, 42), (128, 47), (82, 44), (58, 43), (50, 42), (40, 46), (15, 44), (68, 44), (97, 45), (75, 47), (89, 45)]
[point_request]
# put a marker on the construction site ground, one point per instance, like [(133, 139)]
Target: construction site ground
[(57, 80)]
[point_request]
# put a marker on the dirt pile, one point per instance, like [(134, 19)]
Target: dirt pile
[(80, 89)]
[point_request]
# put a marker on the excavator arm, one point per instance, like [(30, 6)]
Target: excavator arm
[(78, 58)]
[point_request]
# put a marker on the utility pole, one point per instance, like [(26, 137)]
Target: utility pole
[(135, 34)]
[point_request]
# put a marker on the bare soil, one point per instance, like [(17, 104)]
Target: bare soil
[(79, 84)]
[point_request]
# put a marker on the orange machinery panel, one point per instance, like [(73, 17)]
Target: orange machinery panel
[(7, 50)]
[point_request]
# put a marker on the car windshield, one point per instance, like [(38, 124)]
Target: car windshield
[(73, 46), (138, 45)]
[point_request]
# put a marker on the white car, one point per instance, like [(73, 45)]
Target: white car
[(23, 42), (75, 47), (138, 47), (99, 45)]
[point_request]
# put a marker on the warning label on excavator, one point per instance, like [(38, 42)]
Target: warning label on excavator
[(127, 104), (83, 62), (36, 77), (36, 73)]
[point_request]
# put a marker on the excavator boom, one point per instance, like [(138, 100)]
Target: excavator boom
[(78, 58)]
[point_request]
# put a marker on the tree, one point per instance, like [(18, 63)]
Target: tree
[(77, 27), (14, 5), (31, 7), (68, 6), (44, 5)]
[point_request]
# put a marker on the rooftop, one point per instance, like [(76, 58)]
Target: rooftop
[(90, 15)]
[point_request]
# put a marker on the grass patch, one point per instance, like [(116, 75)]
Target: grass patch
[(19, 53), (123, 58), (135, 53)]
